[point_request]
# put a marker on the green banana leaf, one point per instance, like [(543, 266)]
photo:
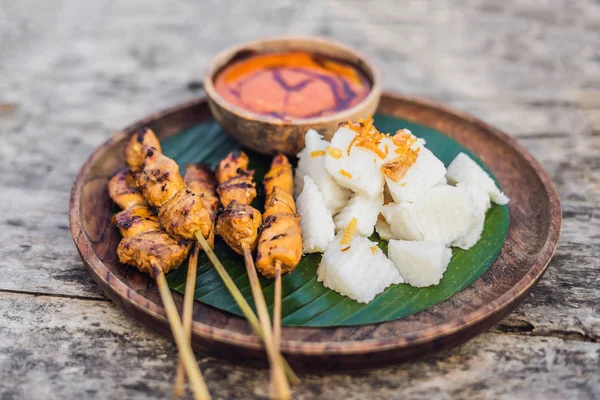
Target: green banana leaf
[(307, 302)]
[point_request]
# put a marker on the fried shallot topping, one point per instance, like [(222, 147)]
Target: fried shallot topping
[(406, 156)]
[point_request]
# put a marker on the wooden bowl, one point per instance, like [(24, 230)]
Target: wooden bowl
[(269, 135), (535, 221)]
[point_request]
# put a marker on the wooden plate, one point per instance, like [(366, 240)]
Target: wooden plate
[(535, 217)]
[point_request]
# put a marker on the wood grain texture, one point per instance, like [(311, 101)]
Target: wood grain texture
[(72, 73), (111, 356), (531, 241)]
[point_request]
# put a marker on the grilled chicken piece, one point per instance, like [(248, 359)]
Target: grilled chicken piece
[(280, 239), (280, 175), (238, 222), (229, 166), (240, 188), (159, 180), (238, 225), (136, 220), (199, 179), (134, 151), (235, 182), (279, 202), (281, 235), (145, 244), (149, 249), (123, 190), (184, 215)]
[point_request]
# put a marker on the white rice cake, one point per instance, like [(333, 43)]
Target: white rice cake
[(383, 229), (364, 209), (479, 195), (463, 169), (313, 165), (358, 171), (359, 270), (426, 172), (482, 202), (421, 264), (316, 221), (443, 214), (400, 222)]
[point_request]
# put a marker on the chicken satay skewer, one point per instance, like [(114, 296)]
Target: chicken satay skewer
[(200, 180), (280, 242), (141, 231), (241, 301), (238, 224), (183, 214), (135, 157), (161, 180)]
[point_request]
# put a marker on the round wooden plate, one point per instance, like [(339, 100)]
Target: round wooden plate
[(535, 222)]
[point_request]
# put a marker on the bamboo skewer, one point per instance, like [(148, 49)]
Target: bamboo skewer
[(188, 307), (281, 235), (280, 387), (277, 306), (141, 145), (238, 224), (186, 355), (241, 302)]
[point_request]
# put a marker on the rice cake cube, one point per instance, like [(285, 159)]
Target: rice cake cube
[(421, 264), (358, 270), (463, 169), (316, 221)]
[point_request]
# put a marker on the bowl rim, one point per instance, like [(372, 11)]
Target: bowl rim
[(223, 58)]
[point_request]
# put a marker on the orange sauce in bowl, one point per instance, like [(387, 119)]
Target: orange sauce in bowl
[(294, 85)]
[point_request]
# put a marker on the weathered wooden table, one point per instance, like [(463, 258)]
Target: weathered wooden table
[(71, 73)]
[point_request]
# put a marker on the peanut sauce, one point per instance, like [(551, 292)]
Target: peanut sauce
[(290, 85)]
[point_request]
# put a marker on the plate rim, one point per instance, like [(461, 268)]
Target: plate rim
[(497, 307)]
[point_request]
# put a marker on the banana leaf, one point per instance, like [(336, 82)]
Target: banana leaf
[(307, 302)]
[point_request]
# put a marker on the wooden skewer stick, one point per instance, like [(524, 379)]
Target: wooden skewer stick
[(183, 345), (280, 387), (188, 307), (277, 306), (241, 301)]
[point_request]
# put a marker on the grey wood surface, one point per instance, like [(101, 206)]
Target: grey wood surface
[(74, 72)]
